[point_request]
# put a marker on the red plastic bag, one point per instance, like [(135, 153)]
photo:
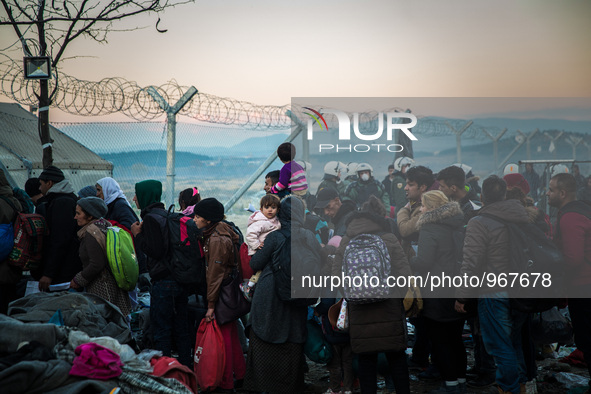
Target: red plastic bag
[(210, 355)]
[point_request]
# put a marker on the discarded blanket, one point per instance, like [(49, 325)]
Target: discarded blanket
[(82, 311), (15, 332)]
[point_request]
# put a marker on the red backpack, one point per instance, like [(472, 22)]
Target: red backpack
[(29, 231)]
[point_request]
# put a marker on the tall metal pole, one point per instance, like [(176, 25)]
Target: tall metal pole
[(553, 140), (574, 141), (305, 142), (528, 143), (506, 159), (495, 141), (459, 138), (170, 156), (171, 112)]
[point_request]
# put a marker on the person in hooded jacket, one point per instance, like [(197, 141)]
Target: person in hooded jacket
[(487, 249), (439, 252), (220, 256), (96, 274), (9, 275), (60, 248), (169, 299), (379, 326), (275, 361)]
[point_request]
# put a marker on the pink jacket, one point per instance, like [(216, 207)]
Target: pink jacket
[(258, 229)]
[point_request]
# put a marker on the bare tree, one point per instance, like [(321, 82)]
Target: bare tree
[(46, 27)]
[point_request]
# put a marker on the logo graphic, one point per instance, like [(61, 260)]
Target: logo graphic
[(318, 115), (345, 124)]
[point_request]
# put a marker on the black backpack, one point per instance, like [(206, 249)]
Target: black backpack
[(308, 264), (184, 256), (532, 253)]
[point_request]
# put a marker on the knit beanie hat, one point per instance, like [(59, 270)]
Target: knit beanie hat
[(148, 192), (87, 191), (32, 187), (517, 180), (210, 209), (52, 173), (93, 206)]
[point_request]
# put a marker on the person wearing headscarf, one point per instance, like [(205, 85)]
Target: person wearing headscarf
[(118, 207), (278, 329), (60, 248), (120, 212), (96, 274)]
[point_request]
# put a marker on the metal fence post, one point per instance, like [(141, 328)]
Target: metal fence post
[(171, 112), (459, 138), (495, 141)]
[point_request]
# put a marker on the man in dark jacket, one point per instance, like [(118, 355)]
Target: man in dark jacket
[(387, 182), (360, 190), (452, 182), (573, 236), (60, 248), (168, 298), (329, 203), (486, 249)]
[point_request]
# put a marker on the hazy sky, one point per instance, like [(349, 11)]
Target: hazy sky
[(269, 51)]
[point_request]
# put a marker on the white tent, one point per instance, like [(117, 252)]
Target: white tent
[(21, 154)]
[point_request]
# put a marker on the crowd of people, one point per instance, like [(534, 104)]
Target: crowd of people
[(426, 223)]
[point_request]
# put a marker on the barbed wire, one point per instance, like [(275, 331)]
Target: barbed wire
[(118, 95)]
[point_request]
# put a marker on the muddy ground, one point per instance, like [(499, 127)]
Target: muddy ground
[(317, 378)]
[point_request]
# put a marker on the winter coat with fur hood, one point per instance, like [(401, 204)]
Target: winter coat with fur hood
[(259, 226), (379, 326), (438, 253)]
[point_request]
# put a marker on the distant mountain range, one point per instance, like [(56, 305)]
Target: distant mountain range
[(218, 142)]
